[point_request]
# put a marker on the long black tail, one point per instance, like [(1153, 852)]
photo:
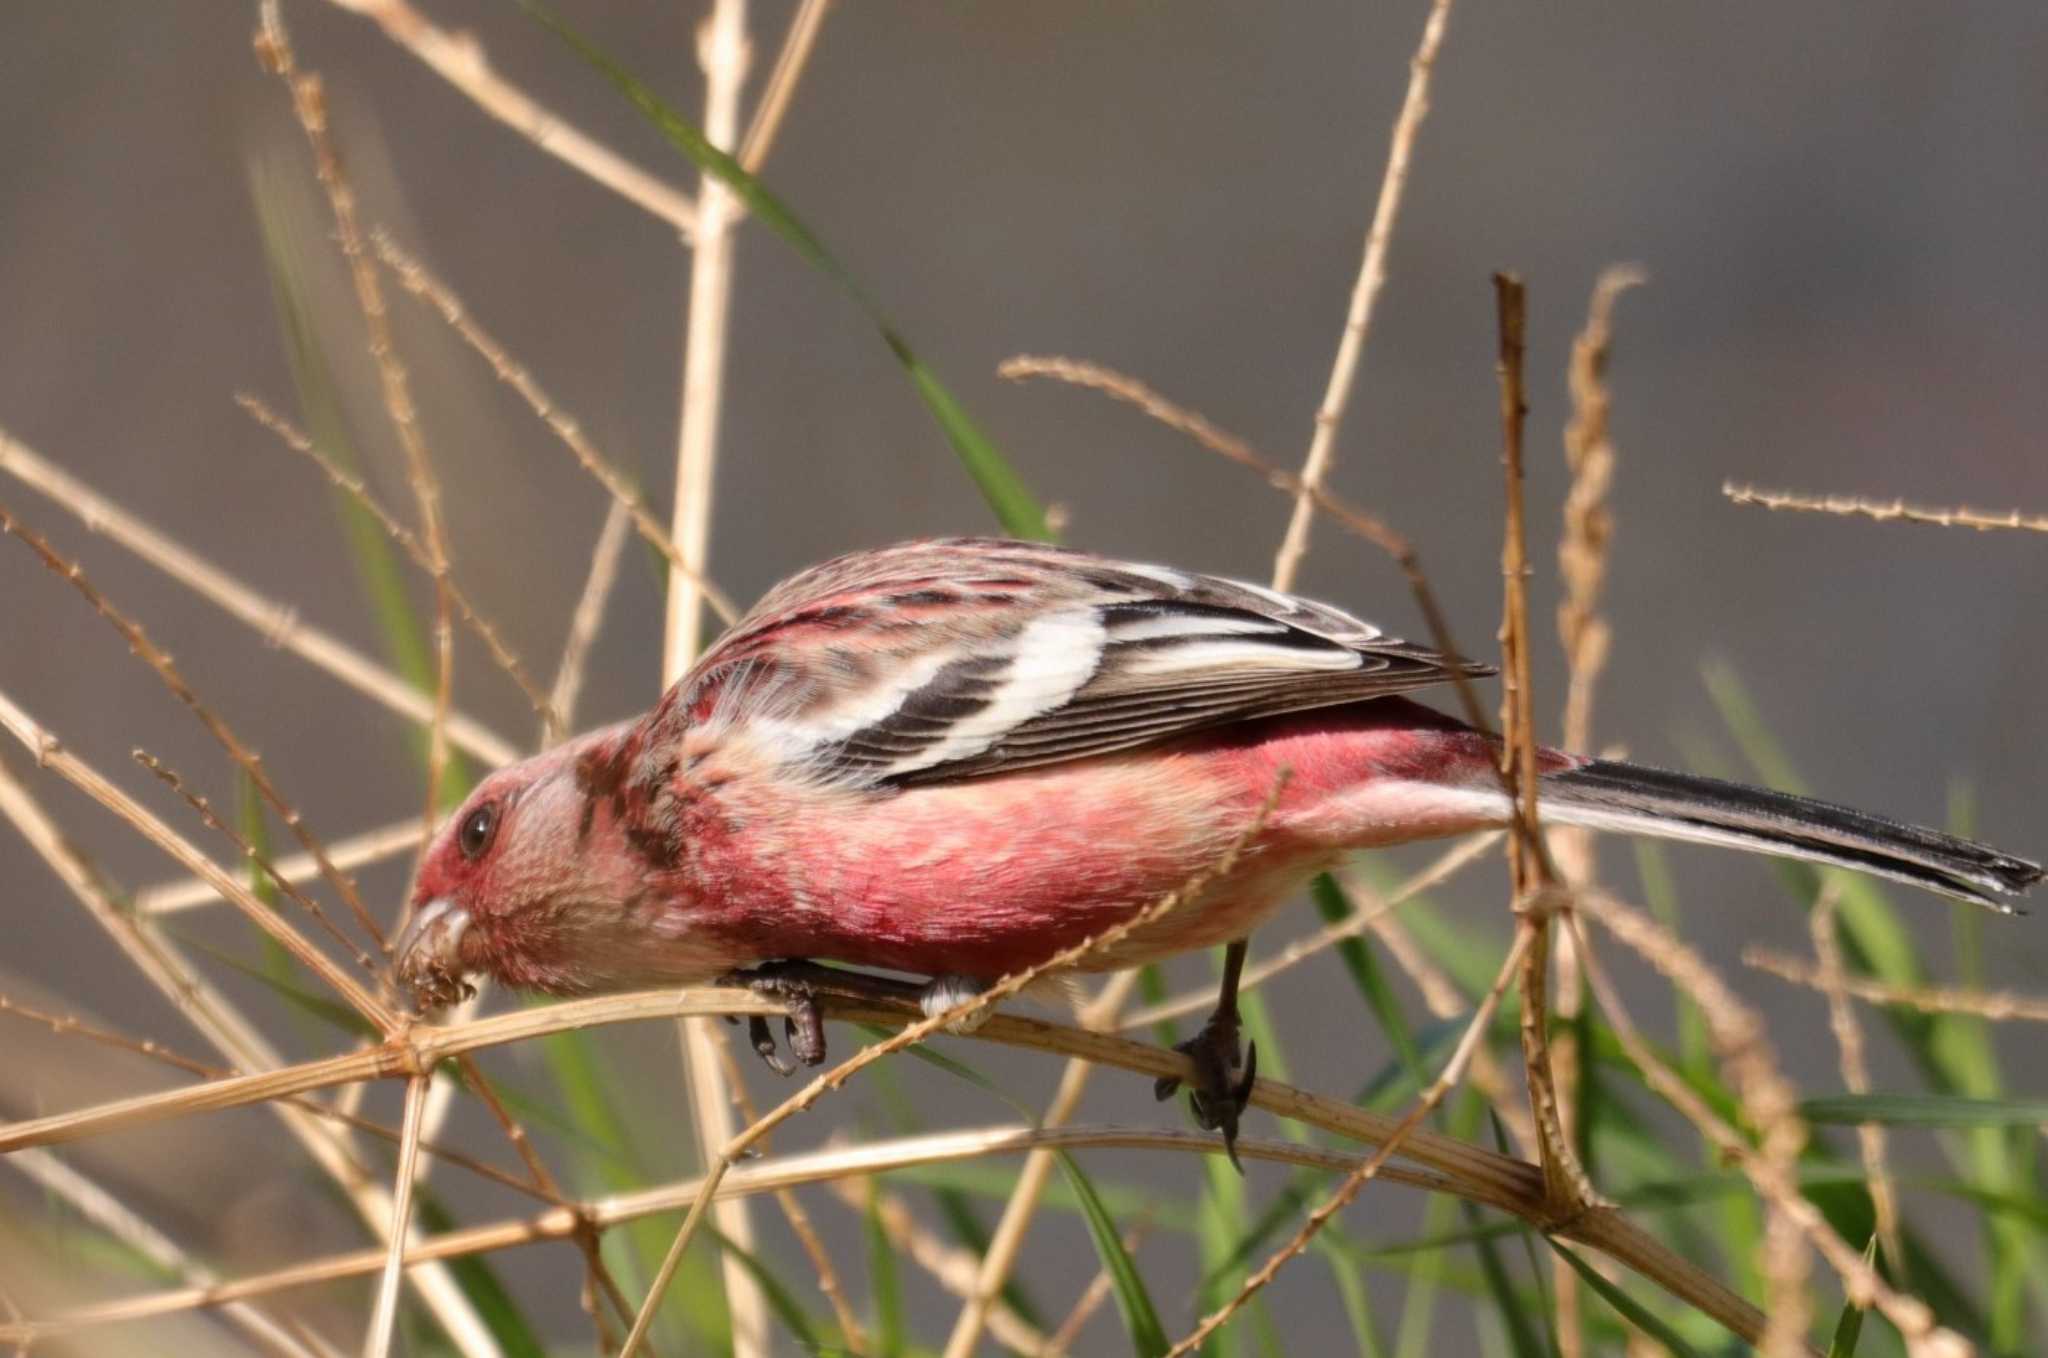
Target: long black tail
[(1613, 796)]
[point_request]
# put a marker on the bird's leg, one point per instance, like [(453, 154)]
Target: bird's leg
[(798, 984), (1223, 1074)]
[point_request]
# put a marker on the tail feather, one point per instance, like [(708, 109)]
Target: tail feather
[(1607, 795)]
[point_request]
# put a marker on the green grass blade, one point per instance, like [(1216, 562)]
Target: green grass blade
[(1133, 1301), (1849, 1325), (884, 1284), (1924, 1110), (1334, 906), (1015, 508), (1627, 1307)]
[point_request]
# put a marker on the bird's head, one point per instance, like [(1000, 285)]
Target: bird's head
[(513, 878)]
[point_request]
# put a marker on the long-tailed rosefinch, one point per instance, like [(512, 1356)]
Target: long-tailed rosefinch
[(956, 758)]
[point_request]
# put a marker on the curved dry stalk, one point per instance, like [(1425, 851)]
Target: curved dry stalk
[(1884, 511), (1374, 1164), (277, 623), (1372, 273), (245, 758), (781, 84), (160, 961), (384, 1318), (309, 102), (1446, 865), (1738, 1034), (1997, 1006), (99, 1206), (356, 489), (459, 59), (755, 1177), (414, 278), (1827, 949), (590, 605), (371, 846), (1007, 1241), (51, 754)]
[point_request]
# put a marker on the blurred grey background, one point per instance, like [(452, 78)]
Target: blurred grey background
[(1840, 207)]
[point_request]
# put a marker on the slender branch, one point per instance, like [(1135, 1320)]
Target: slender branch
[(371, 846), (1372, 273), (309, 102), (1997, 1006), (277, 623), (384, 1319), (790, 63), (458, 58), (1827, 949), (1885, 511), (590, 605)]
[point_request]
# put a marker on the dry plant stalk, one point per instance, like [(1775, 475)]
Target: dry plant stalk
[(589, 615), (458, 58), (372, 846), (1768, 1105), (414, 278), (353, 486), (1997, 1006), (1372, 273), (1354, 1182), (1884, 511), (277, 623), (1827, 950), (309, 102), (245, 758)]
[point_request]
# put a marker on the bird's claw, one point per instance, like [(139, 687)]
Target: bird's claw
[(1222, 1083), (803, 1027)]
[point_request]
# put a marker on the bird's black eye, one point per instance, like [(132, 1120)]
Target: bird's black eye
[(477, 828)]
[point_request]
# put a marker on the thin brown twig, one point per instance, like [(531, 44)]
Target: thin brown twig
[(355, 488), (1355, 1181), (1090, 1301), (309, 102), (1997, 1006), (277, 623), (51, 754), (245, 758), (372, 846), (414, 278), (1768, 1103), (1827, 949), (790, 63), (202, 808), (1372, 273), (590, 605), (458, 58), (1884, 511), (949, 1020), (384, 1318)]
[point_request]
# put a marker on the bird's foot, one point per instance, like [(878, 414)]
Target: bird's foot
[(803, 1026), (950, 991), (1222, 1082)]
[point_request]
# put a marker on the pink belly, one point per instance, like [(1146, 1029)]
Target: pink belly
[(985, 877)]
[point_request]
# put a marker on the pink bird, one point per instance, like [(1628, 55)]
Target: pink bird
[(956, 758)]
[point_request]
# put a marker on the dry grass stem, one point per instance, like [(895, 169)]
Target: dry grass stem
[(790, 63), (1373, 1164), (309, 102), (245, 758), (159, 960), (354, 487), (1884, 511), (1884, 1197), (760, 1176), (1446, 865), (106, 1211), (1997, 1006), (278, 624), (50, 754), (202, 808), (1768, 1105), (458, 58), (589, 615), (1372, 273), (384, 1319), (1007, 1241), (414, 278), (370, 847)]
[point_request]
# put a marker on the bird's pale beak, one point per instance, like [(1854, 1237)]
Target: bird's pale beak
[(427, 958)]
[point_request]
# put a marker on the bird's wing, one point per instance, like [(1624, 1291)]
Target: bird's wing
[(946, 660)]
